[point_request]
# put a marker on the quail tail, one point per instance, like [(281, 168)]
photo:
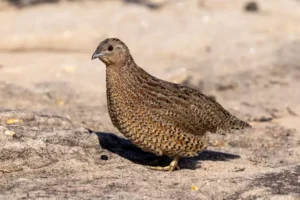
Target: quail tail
[(238, 124)]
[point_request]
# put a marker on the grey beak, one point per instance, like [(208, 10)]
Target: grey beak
[(97, 55)]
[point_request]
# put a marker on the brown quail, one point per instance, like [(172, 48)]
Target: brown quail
[(158, 116)]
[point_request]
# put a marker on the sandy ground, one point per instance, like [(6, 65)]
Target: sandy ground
[(249, 61)]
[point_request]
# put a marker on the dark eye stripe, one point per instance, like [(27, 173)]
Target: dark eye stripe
[(110, 48)]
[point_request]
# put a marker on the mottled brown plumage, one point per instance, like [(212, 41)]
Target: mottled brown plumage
[(158, 116)]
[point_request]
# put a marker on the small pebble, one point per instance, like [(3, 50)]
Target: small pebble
[(263, 119), (239, 169), (251, 6), (194, 188), (104, 157), (10, 133)]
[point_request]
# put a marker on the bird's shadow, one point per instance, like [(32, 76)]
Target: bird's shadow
[(128, 150)]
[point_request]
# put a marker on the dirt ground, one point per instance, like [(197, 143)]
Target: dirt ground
[(51, 92)]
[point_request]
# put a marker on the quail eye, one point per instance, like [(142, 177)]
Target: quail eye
[(110, 48)]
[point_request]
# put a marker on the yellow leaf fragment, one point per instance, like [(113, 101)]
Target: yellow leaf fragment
[(60, 102), (219, 143), (10, 133), (13, 121), (194, 188)]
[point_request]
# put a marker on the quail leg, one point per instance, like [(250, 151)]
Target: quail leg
[(173, 165)]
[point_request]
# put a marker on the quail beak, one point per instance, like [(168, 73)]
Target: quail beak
[(97, 55)]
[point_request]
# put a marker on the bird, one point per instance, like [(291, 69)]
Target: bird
[(161, 117)]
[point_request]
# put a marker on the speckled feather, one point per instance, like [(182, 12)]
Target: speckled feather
[(158, 116)]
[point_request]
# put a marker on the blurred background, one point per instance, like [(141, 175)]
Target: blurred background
[(244, 53), (248, 49), (241, 48)]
